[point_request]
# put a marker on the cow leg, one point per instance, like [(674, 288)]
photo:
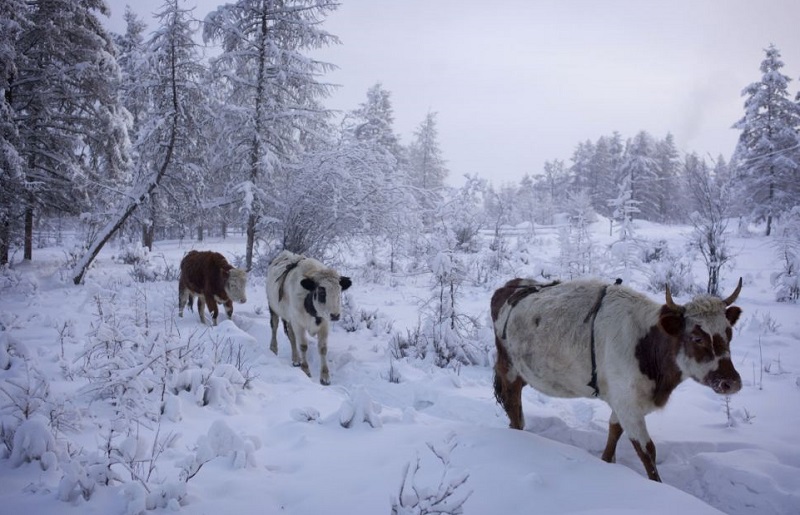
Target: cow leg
[(213, 308), (642, 444), (183, 297), (614, 434), (229, 309), (287, 328), (322, 343), (508, 392), (302, 341), (201, 307), (274, 321)]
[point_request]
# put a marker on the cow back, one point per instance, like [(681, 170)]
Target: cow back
[(205, 271)]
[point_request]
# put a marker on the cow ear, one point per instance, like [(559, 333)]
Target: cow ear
[(671, 322), (733, 313), (308, 284), (345, 282)]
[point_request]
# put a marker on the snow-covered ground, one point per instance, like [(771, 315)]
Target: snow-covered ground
[(239, 430)]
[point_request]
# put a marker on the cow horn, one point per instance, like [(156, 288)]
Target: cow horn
[(671, 303), (730, 300)]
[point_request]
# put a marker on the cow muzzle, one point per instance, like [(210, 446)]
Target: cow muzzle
[(725, 379), (335, 317)]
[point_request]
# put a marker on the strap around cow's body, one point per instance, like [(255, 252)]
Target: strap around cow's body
[(593, 315), (282, 278)]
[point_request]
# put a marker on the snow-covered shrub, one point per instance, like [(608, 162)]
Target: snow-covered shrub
[(133, 253), (373, 321), (787, 249), (445, 498), (8, 277), (666, 267), (412, 345), (220, 442), (33, 441), (359, 408), (450, 335)]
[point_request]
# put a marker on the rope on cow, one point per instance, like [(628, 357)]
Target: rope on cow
[(523, 291), (593, 315), (282, 278)]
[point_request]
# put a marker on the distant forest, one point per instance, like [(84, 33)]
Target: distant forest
[(141, 136)]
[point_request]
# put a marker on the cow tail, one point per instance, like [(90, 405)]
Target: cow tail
[(501, 368)]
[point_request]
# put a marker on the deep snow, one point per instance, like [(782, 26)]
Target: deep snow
[(279, 445)]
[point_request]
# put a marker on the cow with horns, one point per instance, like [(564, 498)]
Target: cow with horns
[(585, 338), (306, 295)]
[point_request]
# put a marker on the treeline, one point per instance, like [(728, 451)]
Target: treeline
[(142, 135)]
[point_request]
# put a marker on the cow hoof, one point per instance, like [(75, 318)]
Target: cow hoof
[(324, 381), (296, 364), (305, 369), (274, 349)]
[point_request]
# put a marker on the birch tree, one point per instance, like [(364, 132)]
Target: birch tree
[(168, 91)]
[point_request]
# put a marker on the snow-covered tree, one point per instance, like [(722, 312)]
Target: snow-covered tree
[(667, 182), (426, 166), (164, 137), (175, 200), (273, 91), (625, 207), (577, 248), (13, 22), (641, 168), (766, 154), (787, 249), (71, 127), (709, 218), (373, 122)]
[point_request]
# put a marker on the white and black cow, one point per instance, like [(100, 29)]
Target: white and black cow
[(586, 338), (306, 295)]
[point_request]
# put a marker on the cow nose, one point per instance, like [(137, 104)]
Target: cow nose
[(334, 316), (728, 386)]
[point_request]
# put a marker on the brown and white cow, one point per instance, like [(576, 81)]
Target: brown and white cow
[(586, 338), (208, 275), (306, 295)]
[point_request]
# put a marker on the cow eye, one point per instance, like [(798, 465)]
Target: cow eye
[(321, 294), (698, 340)]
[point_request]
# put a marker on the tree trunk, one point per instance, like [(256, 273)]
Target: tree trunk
[(28, 253), (200, 232), (5, 239), (251, 237)]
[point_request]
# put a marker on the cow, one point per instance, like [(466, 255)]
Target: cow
[(586, 338), (306, 295), (208, 275)]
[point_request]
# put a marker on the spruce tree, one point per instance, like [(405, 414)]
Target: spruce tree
[(766, 153)]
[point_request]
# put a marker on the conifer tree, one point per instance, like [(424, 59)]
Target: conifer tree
[(273, 92), (766, 154), (71, 127), (427, 170)]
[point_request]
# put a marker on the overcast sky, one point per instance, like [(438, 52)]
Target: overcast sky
[(516, 83)]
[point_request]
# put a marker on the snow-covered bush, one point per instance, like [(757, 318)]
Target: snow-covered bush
[(33, 441), (133, 253), (359, 408), (666, 267), (445, 498), (373, 321), (786, 243)]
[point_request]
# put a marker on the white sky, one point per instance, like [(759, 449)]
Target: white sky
[(519, 82)]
